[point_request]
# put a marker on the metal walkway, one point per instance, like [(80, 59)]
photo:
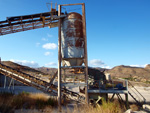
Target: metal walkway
[(38, 83)]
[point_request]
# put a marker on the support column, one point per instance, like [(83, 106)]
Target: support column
[(112, 97), (59, 60), (127, 103), (5, 80), (10, 83), (85, 53), (64, 75), (106, 97), (13, 85), (126, 84)]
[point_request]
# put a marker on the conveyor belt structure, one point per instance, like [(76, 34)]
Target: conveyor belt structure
[(32, 81)]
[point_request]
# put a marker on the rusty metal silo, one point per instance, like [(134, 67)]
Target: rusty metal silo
[(72, 44)]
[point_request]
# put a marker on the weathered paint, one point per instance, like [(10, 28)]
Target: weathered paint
[(72, 39)]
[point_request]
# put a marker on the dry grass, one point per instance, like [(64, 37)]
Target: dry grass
[(40, 102), (134, 107), (10, 102), (106, 107), (41, 96)]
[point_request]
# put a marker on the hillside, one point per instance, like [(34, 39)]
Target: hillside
[(131, 73), (136, 74), (49, 71), (22, 68)]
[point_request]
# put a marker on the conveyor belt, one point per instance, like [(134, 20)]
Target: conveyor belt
[(38, 83), (29, 22)]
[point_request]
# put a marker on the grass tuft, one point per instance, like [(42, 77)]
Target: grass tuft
[(106, 107), (25, 100)]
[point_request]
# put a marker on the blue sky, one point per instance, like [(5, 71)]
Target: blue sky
[(118, 33)]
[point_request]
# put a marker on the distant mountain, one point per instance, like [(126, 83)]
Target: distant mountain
[(101, 69), (135, 73), (49, 71), (131, 73), (147, 67)]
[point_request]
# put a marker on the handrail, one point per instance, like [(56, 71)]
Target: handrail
[(133, 91), (138, 92)]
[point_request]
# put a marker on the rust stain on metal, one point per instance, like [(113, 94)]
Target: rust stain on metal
[(79, 42), (75, 29), (73, 39)]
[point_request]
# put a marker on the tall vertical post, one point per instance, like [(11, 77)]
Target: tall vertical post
[(13, 86), (126, 84), (126, 95), (85, 53), (5, 80), (127, 103), (59, 60)]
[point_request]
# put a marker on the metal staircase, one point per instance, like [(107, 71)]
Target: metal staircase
[(38, 83), (135, 99), (138, 97)]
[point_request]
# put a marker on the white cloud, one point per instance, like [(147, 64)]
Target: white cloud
[(98, 63), (136, 65), (51, 64), (37, 44), (107, 67), (49, 35), (26, 63), (48, 53), (44, 39), (49, 46)]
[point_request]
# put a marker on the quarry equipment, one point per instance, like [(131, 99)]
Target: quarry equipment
[(28, 22), (29, 80), (72, 44), (72, 49), (72, 54)]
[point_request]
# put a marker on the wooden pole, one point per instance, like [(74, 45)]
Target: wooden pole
[(59, 60), (85, 53)]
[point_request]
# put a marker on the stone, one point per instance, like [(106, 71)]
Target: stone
[(146, 107)]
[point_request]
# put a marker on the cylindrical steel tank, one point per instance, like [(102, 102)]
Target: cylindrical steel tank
[(72, 40)]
